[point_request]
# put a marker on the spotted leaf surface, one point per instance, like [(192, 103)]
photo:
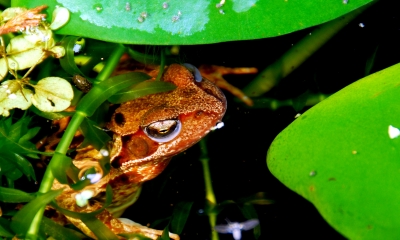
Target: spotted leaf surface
[(52, 94), (343, 156), (192, 22), (12, 96)]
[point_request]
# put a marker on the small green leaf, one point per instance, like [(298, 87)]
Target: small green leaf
[(218, 208), (370, 62), (58, 168), (5, 230), (68, 61), (165, 234), (105, 89), (6, 165), (14, 195), (24, 166), (159, 222), (59, 232), (249, 211), (29, 134), (13, 175), (93, 135), (22, 220), (52, 94), (140, 90), (98, 228), (80, 184), (18, 128), (19, 147), (179, 216)]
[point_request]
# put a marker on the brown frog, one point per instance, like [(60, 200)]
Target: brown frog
[(147, 132)]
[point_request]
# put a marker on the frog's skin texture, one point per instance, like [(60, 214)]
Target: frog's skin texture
[(139, 154)]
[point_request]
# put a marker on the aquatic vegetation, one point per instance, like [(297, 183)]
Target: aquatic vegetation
[(66, 67)]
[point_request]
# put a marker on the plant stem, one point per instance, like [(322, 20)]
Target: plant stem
[(67, 138), (298, 53), (111, 63), (210, 196), (162, 65), (143, 58)]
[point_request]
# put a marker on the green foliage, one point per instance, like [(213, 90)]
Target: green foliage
[(165, 234), (105, 89), (188, 22), (22, 220), (179, 216), (15, 138), (344, 181), (5, 230), (340, 156), (141, 89), (93, 134), (14, 195), (59, 232)]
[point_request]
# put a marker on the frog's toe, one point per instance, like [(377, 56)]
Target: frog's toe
[(133, 227), (216, 74)]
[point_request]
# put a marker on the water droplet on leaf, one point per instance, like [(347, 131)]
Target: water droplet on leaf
[(127, 7), (98, 7)]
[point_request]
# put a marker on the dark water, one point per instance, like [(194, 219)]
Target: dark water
[(238, 151)]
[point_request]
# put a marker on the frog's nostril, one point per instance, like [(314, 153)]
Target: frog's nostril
[(119, 119)]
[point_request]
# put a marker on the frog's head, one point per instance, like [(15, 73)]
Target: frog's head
[(159, 126)]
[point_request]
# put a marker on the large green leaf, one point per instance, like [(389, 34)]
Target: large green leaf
[(340, 156), (199, 21)]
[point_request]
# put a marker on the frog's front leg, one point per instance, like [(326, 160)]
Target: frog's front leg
[(88, 158)]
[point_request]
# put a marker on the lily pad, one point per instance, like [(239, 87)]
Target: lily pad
[(341, 157), (191, 22)]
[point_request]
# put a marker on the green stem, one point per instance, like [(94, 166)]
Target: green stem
[(67, 138), (143, 58), (151, 59), (162, 65), (210, 196), (297, 54), (111, 63)]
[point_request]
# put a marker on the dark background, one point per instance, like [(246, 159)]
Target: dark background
[(238, 151)]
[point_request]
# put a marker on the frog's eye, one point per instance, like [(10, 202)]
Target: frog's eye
[(163, 131)]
